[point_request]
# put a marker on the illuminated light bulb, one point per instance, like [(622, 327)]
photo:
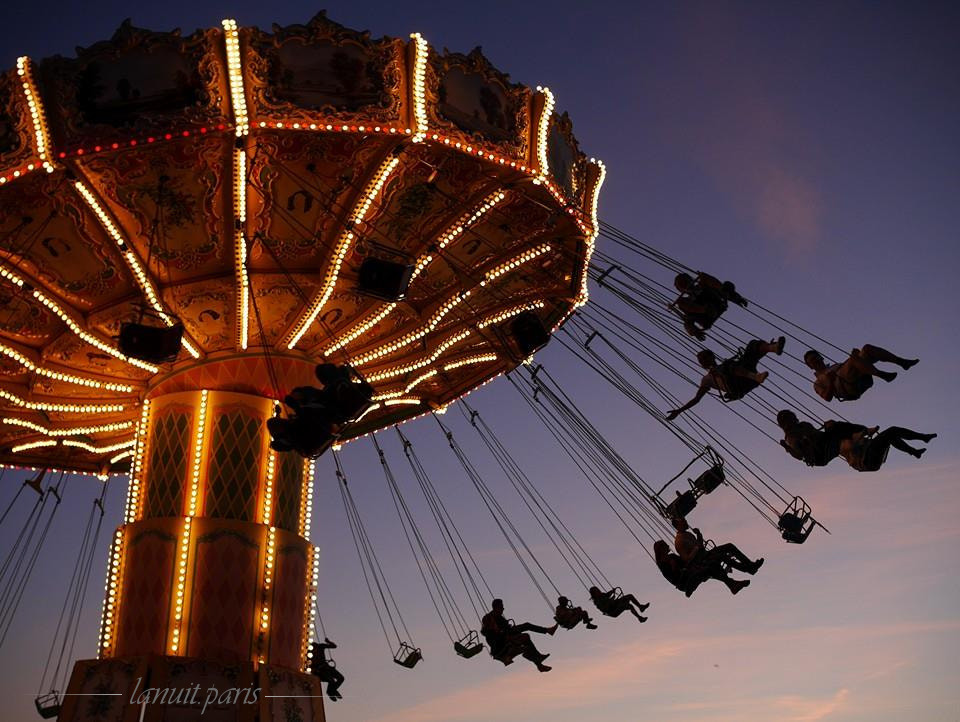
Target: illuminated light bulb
[(341, 249)]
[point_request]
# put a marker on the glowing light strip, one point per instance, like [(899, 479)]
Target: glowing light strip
[(387, 395), (61, 408), (584, 294), (58, 376), (373, 407), (111, 592), (515, 262), (181, 584), (509, 313), (306, 498), (143, 280), (136, 467), (403, 402), (457, 230), (75, 327), (32, 445), (343, 245), (310, 612), (267, 516), (238, 100), (264, 624), (413, 336), (419, 87), (37, 116), (121, 456), (240, 245), (78, 431), (419, 379), (400, 370), (358, 331), (544, 126), (470, 360), (198, 452), (99, 449), (451, 234), (449, 305)]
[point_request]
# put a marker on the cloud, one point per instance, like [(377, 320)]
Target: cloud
[(741, 135), (654, 674)]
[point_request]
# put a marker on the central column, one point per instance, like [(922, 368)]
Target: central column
[(211, 579)]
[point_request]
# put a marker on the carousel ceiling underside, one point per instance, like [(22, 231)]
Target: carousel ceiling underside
[(236, 179)]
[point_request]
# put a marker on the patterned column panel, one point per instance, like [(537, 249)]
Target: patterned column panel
[(168, 451), (289, 588), (148, 568), (225, 589)]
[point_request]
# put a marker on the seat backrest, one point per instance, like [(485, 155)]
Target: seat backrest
[(709, 480)]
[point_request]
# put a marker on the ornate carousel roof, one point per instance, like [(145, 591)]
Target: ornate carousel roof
[(236, 180)]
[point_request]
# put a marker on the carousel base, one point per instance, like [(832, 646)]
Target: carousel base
[(184, 689)]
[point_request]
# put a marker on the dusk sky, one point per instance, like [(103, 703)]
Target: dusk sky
[(808, 151)]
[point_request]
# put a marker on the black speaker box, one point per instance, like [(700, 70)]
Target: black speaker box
[(384, 279), (529, 333)]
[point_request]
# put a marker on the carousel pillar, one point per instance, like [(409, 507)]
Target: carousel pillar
[(211, 577)]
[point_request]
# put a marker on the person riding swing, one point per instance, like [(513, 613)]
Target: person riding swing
[(614, 602), (507, 640), (703, 300), (569, 616), (848, 380), (734, 377)]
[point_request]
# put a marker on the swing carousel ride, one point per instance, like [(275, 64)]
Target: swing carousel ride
[(193, 227)]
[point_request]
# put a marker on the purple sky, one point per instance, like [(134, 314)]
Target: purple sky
[(808, 151)]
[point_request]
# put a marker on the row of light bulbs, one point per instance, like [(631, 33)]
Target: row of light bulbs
[(133, 263), (310, 611), (72, 431), (37, 115), (447, 237), (132, 510), (401, 370), (60, 408), (111, 591), (60, 376), (306, 497), (584, 294), (177, 622), (343, 245), (198, 449), (240, 243), (238, 100), (422, 51), (74, 326), (449, 305)]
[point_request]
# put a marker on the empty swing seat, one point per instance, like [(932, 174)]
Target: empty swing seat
[(709, 480), (469, 645), (154, 344), (48, 705), (407, 656), (796, 522)]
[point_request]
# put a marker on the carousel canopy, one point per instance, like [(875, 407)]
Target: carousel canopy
[(293, 197)]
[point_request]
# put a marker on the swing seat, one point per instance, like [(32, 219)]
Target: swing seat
[(154, 344), (796, 522), (351, 400), (709, 480), (680, 507), (407, 656), (48, 705), (469, 645)]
